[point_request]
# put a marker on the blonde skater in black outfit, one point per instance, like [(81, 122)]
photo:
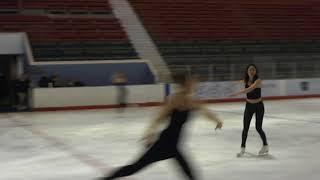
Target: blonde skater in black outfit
[(176, 112), (254, 105)]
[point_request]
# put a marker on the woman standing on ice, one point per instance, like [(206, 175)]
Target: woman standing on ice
[(254, 105)]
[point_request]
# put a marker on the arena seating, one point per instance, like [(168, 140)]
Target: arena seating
[(223, 32), (63, 38)]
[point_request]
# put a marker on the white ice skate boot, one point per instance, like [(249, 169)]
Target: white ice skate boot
[(264, 150), (242, 151)]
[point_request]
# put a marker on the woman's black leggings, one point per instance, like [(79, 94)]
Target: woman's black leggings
[(150, 157), (258, 109)]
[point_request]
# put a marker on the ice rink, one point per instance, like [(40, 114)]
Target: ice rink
[(81, 145)]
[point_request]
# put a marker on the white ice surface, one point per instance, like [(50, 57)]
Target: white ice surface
[(79, 145)]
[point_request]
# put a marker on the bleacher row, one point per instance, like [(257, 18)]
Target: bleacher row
[(44, 28), (83, 50), (71, 5), (234, 20)]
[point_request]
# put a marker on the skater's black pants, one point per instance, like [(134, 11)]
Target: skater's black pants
[(258, 109), (122, 95), (151, 156)]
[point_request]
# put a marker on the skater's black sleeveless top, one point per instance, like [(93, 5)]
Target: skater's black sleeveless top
[(171, 134), (254, 94)]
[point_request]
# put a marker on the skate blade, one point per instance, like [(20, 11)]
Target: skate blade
[(254, 155)]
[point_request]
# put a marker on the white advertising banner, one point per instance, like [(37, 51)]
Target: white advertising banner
[(217, 90), (270, 88), (302, 87), (273, 88), (93, 96)]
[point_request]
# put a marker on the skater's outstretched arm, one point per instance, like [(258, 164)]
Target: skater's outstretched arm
[(211, 116), (253, 86), (239, 81)]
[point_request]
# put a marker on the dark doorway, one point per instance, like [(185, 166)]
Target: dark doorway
[(8, 70)]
